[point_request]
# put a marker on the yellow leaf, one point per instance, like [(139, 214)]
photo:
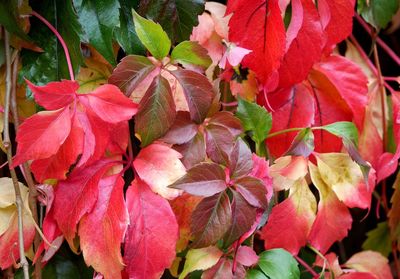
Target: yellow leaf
[(286, 170), (201, 259)]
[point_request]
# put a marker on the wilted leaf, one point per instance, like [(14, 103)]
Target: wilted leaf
[(379, 240)]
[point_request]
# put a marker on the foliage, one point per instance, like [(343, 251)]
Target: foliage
[(198, 139)]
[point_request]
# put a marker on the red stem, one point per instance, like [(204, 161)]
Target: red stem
[(306, 266), (62, 42), (380, 42)]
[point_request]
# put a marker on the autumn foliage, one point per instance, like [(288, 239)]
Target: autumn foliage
[(198, 139)]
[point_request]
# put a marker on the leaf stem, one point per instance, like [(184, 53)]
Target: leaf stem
[(62, 42), (306, 266), (8, 147), (381, 43), (283, 132), (25, 167)]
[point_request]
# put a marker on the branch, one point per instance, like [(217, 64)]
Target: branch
[(8, 147), (25, 167)]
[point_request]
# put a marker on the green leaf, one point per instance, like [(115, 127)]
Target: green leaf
[(255, 119), (378, 12), (191, 54), (177, 17), (125, 34), (98, 19), (152, 36), (303, 143), (379, 240), (51, 65), (279, 264), (343, 129), (9, 18), (255, 274), (156, 111)]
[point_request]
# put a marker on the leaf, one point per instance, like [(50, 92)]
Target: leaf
[(379, 240), (278, 263), (200, 259), (76, 196), (261, 171), (246, 256), (198, 91), (372, 262), (9, 222), (41, 135), (303, 144), (58, 165), (287, 170), (378, 13), (109, 104), (177, 17), (343, 129), (125, 34), (345, 178), (102, 230), (190, 54), (336, 20), (255, 274), (333, 218), (51, 65), (394, 212), (286, 104), (205, 179), (304, 43), (159, 166), (258, 26), (194, 151), (240, 159), (156, 112), (210, 220), (54, 95), (253, 191), (255, 119), (290, 221), (243, 217), (130, 72), (9, 18), (152, 36), (148, 248), (182, 131), (98, 21), (223, 269)]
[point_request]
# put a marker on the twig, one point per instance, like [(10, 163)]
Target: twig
[(8, 147), (62, 42), (307, 267), (25, 167), (380, 42)]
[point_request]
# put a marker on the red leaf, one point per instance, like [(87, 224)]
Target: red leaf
[(54, 95), (109, 104), (357, 275), (198, 91), (290, 221), (41, 135), (205, 179), (333, 218), (211, 219), (77, 196), (261, 171), (337, 20), (303, 43), (246, 256), (58, 165), (152, 233), (102, 230), (293, 107), (372, 262), (257, 25), (159, 166), (243, 217)]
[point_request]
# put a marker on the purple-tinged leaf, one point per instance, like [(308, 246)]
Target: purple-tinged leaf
[(193, 152), (303, 144), (182, 131), (240, 159), (211, 219), (205, 179), (253, 191)]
